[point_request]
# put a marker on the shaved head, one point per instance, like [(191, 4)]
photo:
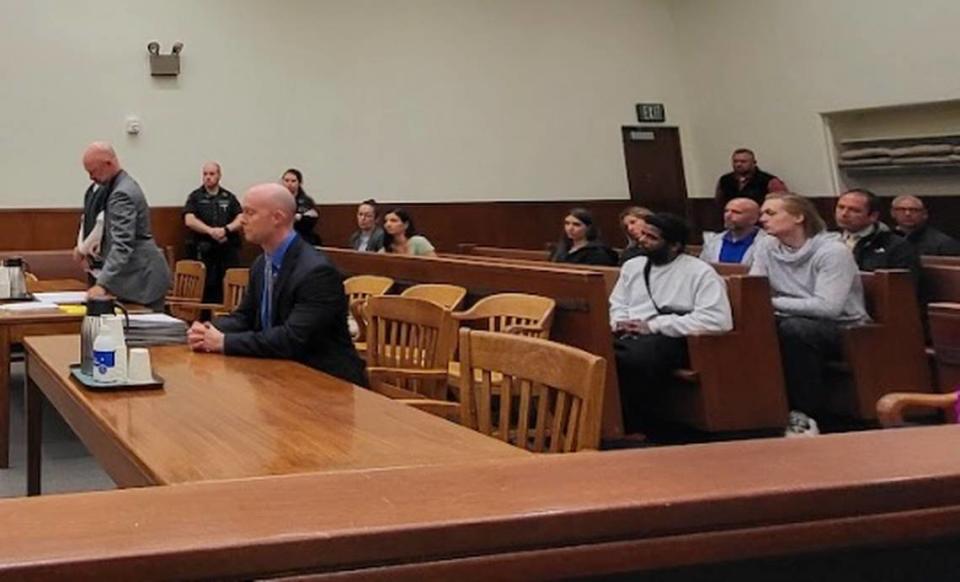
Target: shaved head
[(268, 215), (100, 161), (740, 215), (211, 175), (273, 197)]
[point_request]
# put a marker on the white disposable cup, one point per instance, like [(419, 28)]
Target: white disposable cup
[(138, 368)]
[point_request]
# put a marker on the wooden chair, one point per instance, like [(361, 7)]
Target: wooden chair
[(515, 313), (235, 282), (188, 280), (448, 296), (550, 396), (409, 346), (360, 288)]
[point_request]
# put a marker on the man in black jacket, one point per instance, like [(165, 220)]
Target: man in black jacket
[(746, 180), (873, 244), (911, 217), (295, 307)]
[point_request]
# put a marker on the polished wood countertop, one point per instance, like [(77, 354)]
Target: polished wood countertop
[(223, 417)]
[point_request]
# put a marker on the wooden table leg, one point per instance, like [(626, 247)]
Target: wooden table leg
[(4, 396), (34, 398)]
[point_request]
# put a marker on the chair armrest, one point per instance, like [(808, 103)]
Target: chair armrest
[(441, 408), (525, 329), (413, 373), (408, 383), (194, 304), (467, 315), (891, 406), (179, 299)]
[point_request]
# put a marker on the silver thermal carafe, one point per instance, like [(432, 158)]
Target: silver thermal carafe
[(91, 327), (18, 277)]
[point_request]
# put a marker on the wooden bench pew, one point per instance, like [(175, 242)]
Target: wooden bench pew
[(886, 355), (503, 252), (933, 260), (945, 335), (941, 281), (735, 381), (581, 318)]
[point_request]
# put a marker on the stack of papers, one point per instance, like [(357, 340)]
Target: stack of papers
[(155, 329), (62, 297), (29, 306)]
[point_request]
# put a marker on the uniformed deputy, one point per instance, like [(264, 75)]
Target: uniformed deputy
[(212, 214)]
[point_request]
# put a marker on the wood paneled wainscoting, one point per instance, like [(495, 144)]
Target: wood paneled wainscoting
[(527, 225)]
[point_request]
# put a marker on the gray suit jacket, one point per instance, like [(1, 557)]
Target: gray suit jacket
[(134, 269), (376, 240)]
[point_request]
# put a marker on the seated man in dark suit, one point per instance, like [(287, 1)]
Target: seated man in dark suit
[(873, 244), (295, 307)]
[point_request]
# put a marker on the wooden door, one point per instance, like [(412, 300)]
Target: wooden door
[(655, 168)]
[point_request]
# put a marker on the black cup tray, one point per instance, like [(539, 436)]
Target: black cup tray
[(20, 299), (92, 384)]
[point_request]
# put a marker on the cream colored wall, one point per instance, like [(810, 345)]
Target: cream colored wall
[(761, 72), (403, 100)]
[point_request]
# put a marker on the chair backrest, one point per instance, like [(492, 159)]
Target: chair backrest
[(189, 279), (359, 288), (364, 286), (235, 282), (409, 333), (504, 311), (550, 397), (449, 296)]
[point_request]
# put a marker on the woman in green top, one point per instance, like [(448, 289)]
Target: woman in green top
[(401, 236)]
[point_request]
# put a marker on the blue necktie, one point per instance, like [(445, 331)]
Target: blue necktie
[(266, 303)]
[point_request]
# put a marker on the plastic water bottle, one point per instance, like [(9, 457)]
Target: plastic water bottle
[(115, 323), (4, 283), (105, 354)]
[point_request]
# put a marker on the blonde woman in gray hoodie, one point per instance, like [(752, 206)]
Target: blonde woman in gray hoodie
[(816, 291)]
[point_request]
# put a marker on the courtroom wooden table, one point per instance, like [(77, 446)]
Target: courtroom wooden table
[(222, 417), (14, 326)]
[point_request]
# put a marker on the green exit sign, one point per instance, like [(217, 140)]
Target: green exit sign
[(651, 113)]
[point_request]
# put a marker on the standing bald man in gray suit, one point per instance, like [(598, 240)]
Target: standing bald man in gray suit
[(133, 267)]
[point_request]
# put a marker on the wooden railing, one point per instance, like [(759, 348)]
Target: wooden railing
[(584, 514)]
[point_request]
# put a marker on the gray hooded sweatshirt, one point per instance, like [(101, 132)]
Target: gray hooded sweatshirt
[(818, 280)]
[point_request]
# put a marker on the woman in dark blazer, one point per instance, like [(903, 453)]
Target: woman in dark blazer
[(581, 242)]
